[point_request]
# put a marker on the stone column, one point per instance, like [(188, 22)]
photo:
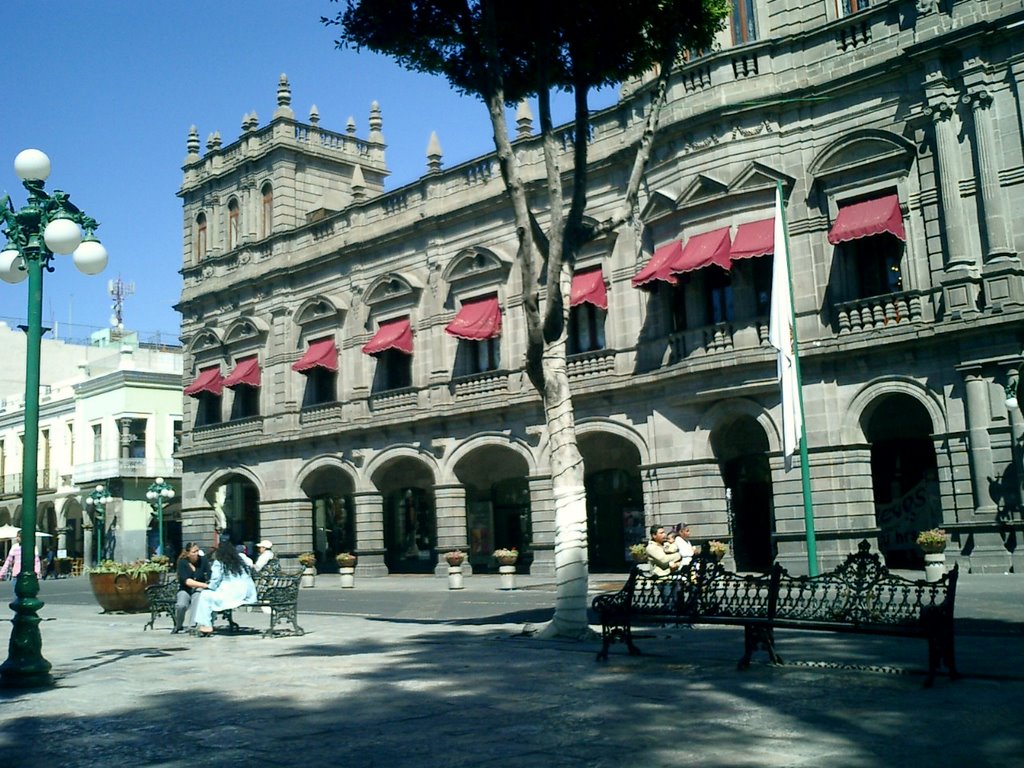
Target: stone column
[(982, 468), (370, 533), (450, 508), (1016, 441), (542, 523), (947, 162), (992, 201), (126, 438)]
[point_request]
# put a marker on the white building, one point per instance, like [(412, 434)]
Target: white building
[(109, 414)]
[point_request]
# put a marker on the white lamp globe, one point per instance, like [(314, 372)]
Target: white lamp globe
[(90, 257), (62, 236), (32, 164), (151, 495), (12, 267)]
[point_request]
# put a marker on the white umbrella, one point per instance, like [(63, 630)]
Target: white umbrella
[(9, 531)]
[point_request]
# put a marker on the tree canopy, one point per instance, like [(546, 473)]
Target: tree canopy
[(528, 46)]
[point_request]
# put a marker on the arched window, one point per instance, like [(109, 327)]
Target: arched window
[(200, 237), (233, 223), (268, 210)]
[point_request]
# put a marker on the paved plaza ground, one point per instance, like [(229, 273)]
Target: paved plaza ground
[(403, 672)]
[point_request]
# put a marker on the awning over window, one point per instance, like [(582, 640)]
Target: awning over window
[(659, 267), (588, 288), (246, 373), (755, 238), (871, 217), (208, 380), (394, 334), (703, 250), (322, 353), (476, 321)]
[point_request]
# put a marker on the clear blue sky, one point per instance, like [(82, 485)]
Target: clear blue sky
[(109, 90)]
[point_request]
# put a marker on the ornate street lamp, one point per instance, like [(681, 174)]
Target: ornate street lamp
[(48, 224), (97, 501), (158, 493)]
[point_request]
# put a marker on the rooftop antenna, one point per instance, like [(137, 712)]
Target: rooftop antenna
[(119, 290)]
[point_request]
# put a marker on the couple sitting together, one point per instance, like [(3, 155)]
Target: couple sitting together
[(668, 552), (204, 589)]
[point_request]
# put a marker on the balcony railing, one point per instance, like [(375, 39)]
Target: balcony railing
[(110, 468), (226, 430), (486, 383), (13, 485), (392, 399), (588, 364), (877, 312)]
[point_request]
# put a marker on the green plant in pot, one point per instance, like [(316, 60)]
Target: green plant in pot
[(121, 587)]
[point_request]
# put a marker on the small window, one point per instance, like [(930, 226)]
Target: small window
[(200, 237), (267, 219), (762, 268), (586, 328), (321, 387), (176, 436), (848, 7), (137, 439), (744, 27), (71, 443), (97, 442), (245, 402), (877, 261), (394, 370), (677, 304), (718, 292), (208, 409), (234, 224), (480, 356)]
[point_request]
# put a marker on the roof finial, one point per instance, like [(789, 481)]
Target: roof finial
[(350, 126), (376, 123), (434, 154), (524, 120), (314, 115), (358, 183), (284, 98), (192, 145)]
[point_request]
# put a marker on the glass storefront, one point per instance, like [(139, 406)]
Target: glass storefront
[(334, 529), (410, 531)]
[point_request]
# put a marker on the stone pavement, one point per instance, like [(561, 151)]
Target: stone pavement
[(424, 687)]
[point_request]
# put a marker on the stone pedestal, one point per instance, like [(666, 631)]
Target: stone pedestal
[(506, 577), (454, 577), (347, 576)]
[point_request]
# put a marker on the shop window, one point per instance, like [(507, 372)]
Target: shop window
[(334, 529)]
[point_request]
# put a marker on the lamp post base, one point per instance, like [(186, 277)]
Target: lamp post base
[(25, 666)]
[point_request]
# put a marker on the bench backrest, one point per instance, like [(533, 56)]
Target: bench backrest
[(703, 587), (862, 591)]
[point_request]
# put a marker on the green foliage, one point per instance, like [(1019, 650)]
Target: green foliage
[(137, 569), (307, 559), (932, 541), (522, 48), (639, 553), (344, 560)]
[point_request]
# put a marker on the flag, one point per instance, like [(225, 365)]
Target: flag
[(780, 335)]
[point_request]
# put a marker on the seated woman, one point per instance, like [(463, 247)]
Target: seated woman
[(230, 586)]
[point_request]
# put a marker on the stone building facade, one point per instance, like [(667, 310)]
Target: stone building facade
[(355, 354)]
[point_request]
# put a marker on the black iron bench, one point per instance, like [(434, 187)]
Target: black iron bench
[(859, 596), (275, 591)]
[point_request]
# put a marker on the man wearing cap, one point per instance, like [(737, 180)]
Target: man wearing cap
[(266, 554)]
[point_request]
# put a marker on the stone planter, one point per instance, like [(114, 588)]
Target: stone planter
[(308, 578), (119, 592), (506, 577), (454, 577), (934, 565), (347, 576), (506, 560)]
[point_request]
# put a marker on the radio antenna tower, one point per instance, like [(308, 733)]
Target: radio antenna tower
[(119, 290)]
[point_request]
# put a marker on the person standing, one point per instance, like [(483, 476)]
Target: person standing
[(12, 564)]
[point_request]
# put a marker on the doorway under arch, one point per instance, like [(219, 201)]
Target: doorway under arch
[(741, 447), (410, 521), (904, 476), (236, 501), (497, 505), (329, 490), (615, 500)]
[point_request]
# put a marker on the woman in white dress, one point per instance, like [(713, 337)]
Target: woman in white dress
[(231, 585)]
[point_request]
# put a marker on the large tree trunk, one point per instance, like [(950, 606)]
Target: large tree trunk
[(570, 498)]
